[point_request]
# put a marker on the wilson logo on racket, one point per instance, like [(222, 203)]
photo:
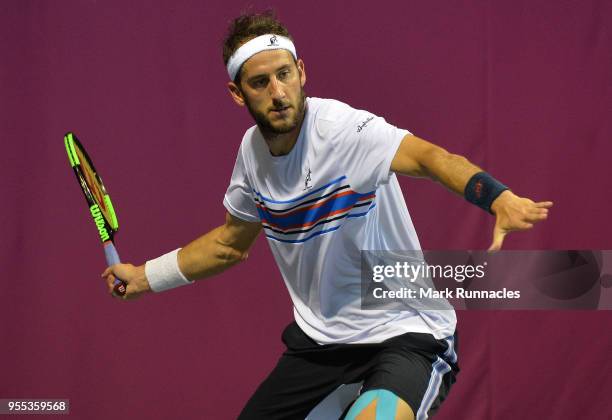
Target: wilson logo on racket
[(99, 220)]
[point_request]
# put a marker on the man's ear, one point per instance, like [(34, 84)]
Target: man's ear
[(302, 71), (236, 93)]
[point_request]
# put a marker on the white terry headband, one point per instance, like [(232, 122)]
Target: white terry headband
[(256, 45)]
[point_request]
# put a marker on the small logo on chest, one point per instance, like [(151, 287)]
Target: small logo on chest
[(308, 180)]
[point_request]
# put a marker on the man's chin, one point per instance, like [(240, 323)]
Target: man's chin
[(280, 127), (283, 128)]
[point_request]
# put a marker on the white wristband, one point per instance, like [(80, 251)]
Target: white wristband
[(163, 273)]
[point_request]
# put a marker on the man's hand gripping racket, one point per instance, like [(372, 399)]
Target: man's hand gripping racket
[(98, 201)]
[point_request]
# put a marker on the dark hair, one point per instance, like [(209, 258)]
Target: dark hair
[(248, 26)]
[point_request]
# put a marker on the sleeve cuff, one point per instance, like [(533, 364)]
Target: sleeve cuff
[(393, 147), (237, 213)]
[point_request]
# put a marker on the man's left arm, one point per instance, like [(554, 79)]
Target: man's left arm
[(419, 158)]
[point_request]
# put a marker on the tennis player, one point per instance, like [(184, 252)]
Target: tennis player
[(318, 177)]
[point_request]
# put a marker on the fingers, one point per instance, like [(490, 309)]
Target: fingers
[(538, 212), (499, 234), (544, 204), (535, 217), (106, 272), (110, 278), (110, 283), (498, 240), (518, 214), (134, 278)]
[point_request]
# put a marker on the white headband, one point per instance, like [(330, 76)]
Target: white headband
[(256, 45)]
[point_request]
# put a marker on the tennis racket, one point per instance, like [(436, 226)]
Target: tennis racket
[(98, 201)]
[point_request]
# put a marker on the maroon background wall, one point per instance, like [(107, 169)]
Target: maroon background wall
[(523, 88)]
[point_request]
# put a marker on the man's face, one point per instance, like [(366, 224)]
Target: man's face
[(271, 86)]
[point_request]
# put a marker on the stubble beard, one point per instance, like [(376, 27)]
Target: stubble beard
[(266, 127)]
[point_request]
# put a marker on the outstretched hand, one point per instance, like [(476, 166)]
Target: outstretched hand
[(515, 213), (135, 278)]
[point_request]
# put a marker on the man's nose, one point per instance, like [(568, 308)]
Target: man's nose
[(276, 89)]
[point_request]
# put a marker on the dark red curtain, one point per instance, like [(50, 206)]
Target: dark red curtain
[(522, 88)]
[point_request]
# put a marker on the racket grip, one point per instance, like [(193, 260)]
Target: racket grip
[(112, 258)]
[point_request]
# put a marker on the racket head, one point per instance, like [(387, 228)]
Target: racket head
[(96, 195)]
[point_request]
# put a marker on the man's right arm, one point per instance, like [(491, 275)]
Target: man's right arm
[(210, 254), (219, 249)]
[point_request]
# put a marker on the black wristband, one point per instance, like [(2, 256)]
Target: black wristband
[(482, 189)]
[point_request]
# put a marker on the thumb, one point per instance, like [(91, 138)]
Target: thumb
[(107, 272), (498, 240)]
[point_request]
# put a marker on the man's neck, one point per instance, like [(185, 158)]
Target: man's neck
[(281, 144)]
